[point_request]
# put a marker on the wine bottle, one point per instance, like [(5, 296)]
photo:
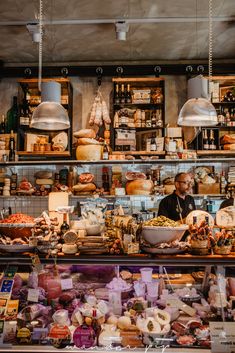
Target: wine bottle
[(105, 179), (122, 96), (12, 147), (25, 110), (105, 152), (153, 146), (128, 94), (116, 95), (64, 226), (12, 117), (212, 145), (153, 119), (205, 140)]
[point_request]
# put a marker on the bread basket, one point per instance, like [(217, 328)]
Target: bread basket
[(16, 230)]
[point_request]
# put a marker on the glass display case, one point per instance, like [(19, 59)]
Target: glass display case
[(115, 302)]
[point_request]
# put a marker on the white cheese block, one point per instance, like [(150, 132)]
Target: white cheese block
[(225, 218), (57, 199)]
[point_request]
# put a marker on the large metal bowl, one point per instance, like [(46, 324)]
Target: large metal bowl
[(157, 235), (16, 230)]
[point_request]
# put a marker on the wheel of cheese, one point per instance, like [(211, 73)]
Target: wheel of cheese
[(70, 237), (89, 153), (200, 216), (87, 141), (225, 218), (69, 248)]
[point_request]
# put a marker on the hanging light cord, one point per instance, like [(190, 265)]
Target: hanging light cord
[(40, 46), (210, 48)]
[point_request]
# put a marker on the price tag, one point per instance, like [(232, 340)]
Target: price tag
[(222, 337), (66, 283), (33, 295)]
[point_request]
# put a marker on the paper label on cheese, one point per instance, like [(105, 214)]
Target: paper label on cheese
[(177, 303), (33, 295), (66, 283)]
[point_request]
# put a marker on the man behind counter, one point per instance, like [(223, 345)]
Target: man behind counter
[(179, 204)]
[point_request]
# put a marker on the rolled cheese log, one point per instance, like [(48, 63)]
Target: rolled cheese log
[(139, 187), (89, 133), (89, 153)]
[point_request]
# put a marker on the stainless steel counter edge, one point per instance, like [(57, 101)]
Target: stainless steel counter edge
[(179, 260), (49, 349)]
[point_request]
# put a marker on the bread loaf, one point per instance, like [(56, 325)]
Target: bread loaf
[(230, 146), (88, 133), (139, 187), (89, 187), (228, 139)]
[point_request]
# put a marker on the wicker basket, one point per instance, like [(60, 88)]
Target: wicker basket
[(222, 250), (199, 244), (16, 230)]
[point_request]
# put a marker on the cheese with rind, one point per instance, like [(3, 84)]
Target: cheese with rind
[(225, 218)]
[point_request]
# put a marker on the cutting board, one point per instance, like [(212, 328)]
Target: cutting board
[(57, 199)]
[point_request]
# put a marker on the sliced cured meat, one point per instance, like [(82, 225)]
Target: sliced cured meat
[(178, 328), (186, 340), (85, 178), (135, 175)]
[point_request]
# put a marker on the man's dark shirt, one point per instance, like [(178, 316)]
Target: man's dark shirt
[(168, 206), (226, 203)]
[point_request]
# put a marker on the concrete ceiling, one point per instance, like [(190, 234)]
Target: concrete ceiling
[(81, 31)]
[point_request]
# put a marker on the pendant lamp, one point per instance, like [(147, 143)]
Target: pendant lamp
[(200, 111), (50, 115)]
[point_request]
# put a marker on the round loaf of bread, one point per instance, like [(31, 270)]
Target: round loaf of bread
[(139, 187)]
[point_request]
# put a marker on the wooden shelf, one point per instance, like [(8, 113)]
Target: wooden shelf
[(216, 153), (140, 153), (49, 153), (138, 79)]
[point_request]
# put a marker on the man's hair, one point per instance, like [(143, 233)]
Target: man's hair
[(179, 175)]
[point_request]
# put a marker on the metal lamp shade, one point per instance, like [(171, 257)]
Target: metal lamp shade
[(198, 112), (50, 116)]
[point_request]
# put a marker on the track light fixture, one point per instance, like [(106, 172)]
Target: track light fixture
[(34, 30), (121, 30)]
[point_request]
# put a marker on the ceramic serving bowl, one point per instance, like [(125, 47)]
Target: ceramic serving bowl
[(157, 235)]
